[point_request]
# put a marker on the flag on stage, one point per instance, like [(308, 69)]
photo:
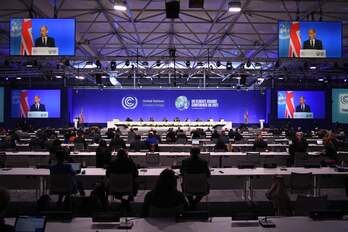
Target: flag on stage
[(246, 117), (81, 117), (295, 40), (24, 105), (290, 106), (26, 37)]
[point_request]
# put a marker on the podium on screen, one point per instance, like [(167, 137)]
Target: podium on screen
[(312, 53), (44, 51), (303, 115), (37, 114)]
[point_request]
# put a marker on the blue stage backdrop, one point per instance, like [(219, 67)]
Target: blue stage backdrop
[(61, 30), (100, 106), (330, 34), (289, 100), (2, 104), (340, 105), (23, 99)]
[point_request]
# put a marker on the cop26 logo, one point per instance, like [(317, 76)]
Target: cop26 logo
[(129, 103), (343, 99)]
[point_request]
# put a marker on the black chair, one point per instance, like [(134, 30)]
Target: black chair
[(301, 183), (304, 205)]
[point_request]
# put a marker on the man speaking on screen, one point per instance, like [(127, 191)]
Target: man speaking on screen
[(37, 106), (312, 42), (44, 40), (303, 107)]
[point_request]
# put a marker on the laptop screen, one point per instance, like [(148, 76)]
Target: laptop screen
[(30, 224), (76, 167)]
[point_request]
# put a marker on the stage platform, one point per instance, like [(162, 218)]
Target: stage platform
[(165, 125)]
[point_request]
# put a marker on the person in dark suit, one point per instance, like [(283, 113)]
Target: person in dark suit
[(123, 164), (303, 107), (44, 40), (312, 42), (165, 195), (64, 168), (259, 143), (4, 203), (37, 106), (194, 165), (117, 143), (299, 145), (103, 155)]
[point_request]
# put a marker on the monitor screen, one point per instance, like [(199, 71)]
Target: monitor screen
[(301, 104), (30, 224), (1, 104), (42, 37), (310, 39), (340, 105), (35, 103)]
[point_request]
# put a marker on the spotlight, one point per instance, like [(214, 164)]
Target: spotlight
[(113, 65), (79, 77), (218, 63), (229, 65), (127, 63), (98, 79), (120, 6), (312, 67), (188, 63), (234, 6), (172, 52), (196, 3), (172, 9), (18, 78), (98, 64), (59, 76), (248, 64)]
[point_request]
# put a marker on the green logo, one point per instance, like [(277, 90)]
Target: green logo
[(182, 103)]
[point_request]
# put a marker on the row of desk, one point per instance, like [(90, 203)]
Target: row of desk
[(283, 224), (168, 159), (279, 147), (221, 178)]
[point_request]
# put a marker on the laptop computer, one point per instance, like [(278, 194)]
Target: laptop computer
[(30, 224), (76, 167)]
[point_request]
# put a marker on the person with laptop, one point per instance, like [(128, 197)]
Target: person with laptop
[(194, 165), (4, 203), (65, 168)]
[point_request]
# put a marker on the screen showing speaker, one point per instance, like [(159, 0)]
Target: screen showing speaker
[(301, 104), (309, 39), (35, 103), (340, 105), (42, 37)]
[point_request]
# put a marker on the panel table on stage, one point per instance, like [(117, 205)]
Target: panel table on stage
[(164, 126), (283, 224)]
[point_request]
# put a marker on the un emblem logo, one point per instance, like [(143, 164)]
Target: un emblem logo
[(129, 103)]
